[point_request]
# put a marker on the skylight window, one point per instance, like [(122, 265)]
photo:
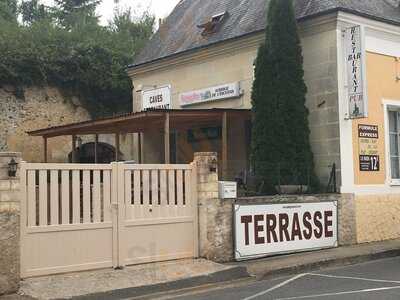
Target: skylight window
[(214, 24)]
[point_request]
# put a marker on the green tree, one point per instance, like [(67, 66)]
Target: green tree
[(32, 11), (281, 151), (87, 59), (76, 13), (8, 10), (131, 30)]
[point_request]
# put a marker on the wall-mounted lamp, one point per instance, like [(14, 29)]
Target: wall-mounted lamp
[(12, 168), (213, 164)]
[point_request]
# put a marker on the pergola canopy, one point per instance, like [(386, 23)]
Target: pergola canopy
[(163, 120), (179, 119)]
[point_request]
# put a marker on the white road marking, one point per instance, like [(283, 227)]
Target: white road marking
[(354, 278), (342, 293), (276, 287)]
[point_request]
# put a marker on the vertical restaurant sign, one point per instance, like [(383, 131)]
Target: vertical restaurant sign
[(263, 230), (158, 98), (226, 91), (355, 73), (368, 144)]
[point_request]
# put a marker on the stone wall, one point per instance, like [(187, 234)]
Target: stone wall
[(320, 73), (44, 107), (41, 107), (9, 226), (215, 215), (378, 217)]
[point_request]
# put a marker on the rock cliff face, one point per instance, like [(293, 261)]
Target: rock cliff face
[(41, 107)]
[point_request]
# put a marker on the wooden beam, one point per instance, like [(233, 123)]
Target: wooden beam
[(96, 144), (134, 122), (166, 140), (45, 149), (74, 154), (140, 143), (117, 147), (224, 145)]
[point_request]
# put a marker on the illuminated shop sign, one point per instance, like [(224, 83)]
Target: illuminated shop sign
[(226, 91), (263, 230), (355, 57), (159, 98)]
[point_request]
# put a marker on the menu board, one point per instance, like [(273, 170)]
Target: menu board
[(368, 148)]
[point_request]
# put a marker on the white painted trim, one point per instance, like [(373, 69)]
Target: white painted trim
[(380, 37), (387, 142), (382, 189), (364, 70), (346, 132), (382, 43), (390, 186), (349, 18), (388, 104)]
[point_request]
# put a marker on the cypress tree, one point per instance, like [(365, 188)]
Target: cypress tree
[(281, 151)]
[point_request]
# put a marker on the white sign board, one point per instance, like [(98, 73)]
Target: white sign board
[(226, 91), (263, 230), (159, 98), (227, 189), (355, 73)]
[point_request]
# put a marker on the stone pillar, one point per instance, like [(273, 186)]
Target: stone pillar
[(347, 220), (215, 215), (9, 226)]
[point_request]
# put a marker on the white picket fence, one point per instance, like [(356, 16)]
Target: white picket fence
[(80, 216)]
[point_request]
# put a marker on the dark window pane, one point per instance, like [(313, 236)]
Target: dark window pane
[(393, 121), (395, 168), (394, 145)]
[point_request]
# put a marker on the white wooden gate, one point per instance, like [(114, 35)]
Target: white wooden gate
[(77, 217)]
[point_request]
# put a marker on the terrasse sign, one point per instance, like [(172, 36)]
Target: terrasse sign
[(263, 230), (226, 91)]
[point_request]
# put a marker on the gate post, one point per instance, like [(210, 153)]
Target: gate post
[(10, 198), (118, 213), (115, 213), (121, 215), (215, 215)]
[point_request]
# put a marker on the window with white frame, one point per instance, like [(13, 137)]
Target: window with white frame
[(394, 132)]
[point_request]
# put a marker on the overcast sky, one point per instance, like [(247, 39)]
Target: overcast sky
[(161, 8)]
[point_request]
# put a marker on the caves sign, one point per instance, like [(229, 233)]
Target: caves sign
[(263, 230)]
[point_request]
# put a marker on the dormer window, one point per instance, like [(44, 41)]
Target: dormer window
[(214, 24)]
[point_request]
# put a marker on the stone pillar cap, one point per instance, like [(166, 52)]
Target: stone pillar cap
[(10, 154)]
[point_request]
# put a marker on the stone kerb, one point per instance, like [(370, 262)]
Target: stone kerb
[(9, 226)]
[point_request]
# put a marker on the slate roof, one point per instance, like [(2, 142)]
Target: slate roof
[(179, 32)]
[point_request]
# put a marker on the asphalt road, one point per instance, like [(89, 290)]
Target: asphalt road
[(370, 281)]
